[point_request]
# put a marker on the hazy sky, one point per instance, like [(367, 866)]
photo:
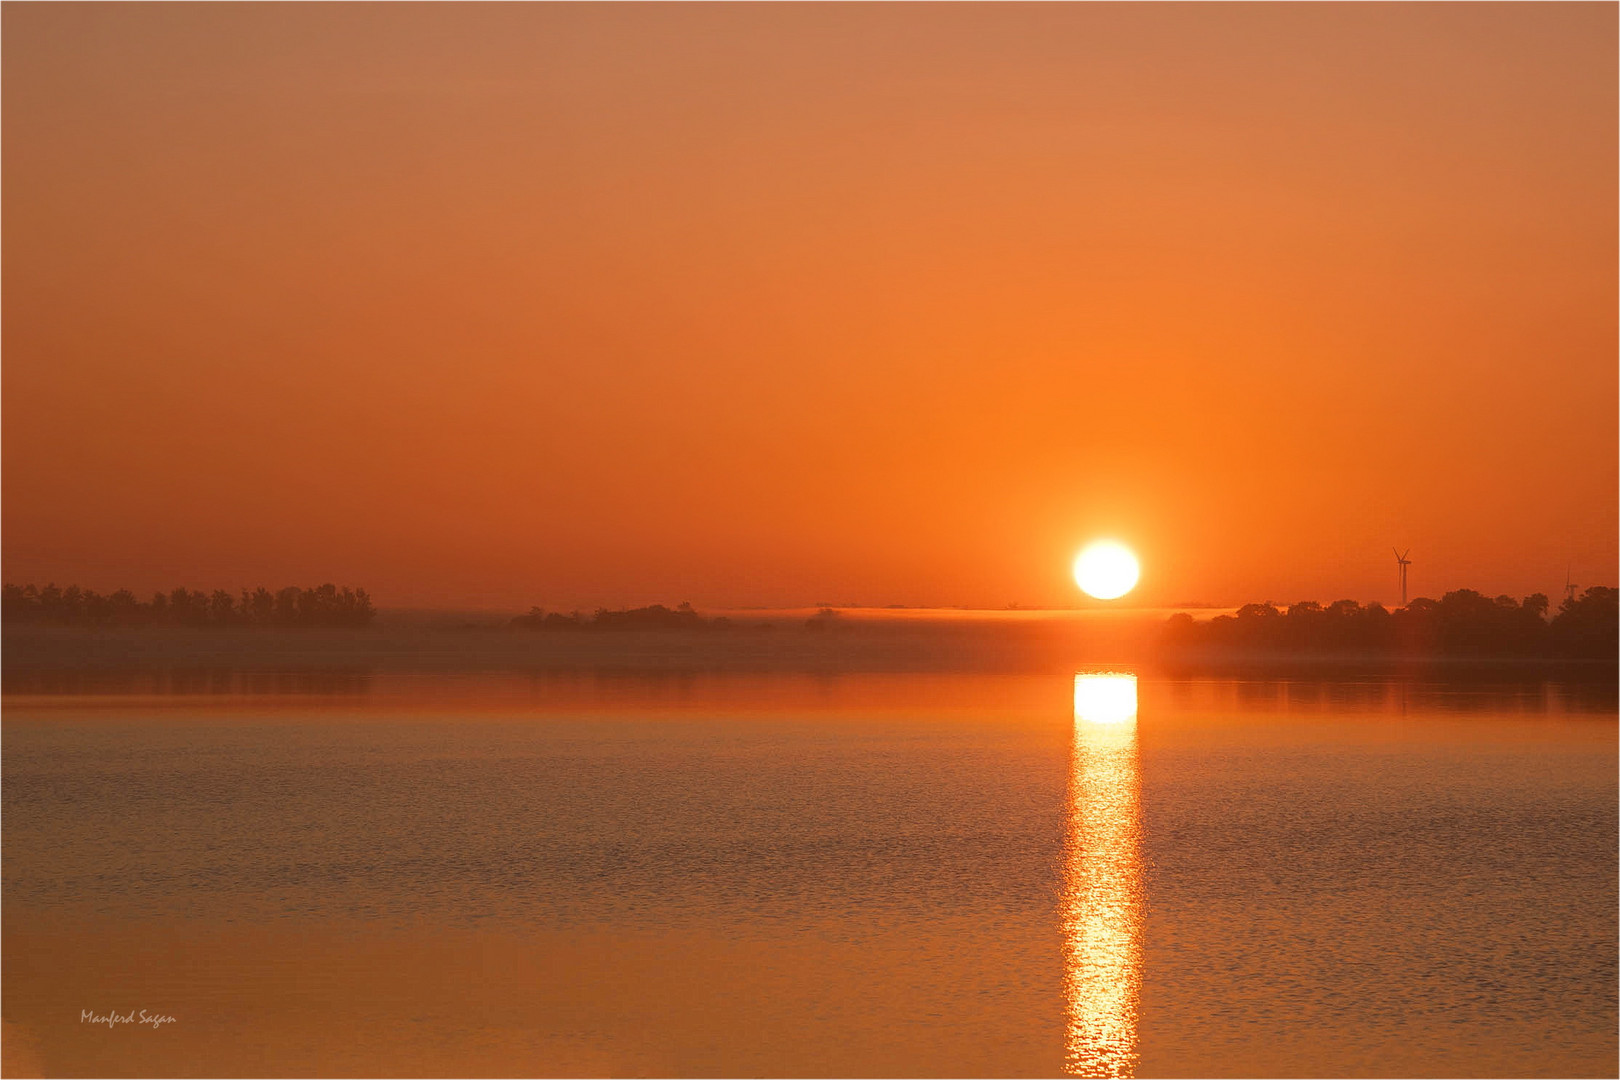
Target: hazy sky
[(576, 305)]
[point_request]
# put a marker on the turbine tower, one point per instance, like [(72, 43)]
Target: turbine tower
[(1403, 562), (1569, 588)]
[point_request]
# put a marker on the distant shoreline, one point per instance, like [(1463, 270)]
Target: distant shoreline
[(1462, 635), (71, 659)]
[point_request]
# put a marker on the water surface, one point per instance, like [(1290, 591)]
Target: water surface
[(873, 874)]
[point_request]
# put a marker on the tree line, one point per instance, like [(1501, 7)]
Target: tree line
[(1463, 623), (325, 605)]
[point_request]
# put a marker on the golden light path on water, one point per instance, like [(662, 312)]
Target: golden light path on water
[(1102, 882)]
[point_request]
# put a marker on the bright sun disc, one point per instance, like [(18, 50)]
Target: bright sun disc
[(1106, 570)]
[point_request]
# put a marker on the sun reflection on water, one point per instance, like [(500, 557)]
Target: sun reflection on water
[(1102, 882)]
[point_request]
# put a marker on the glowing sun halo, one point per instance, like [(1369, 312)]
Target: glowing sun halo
[(1107, 570)]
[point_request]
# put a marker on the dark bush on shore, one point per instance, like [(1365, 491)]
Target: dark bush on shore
[(824, 619), (326, 605), (1463, 623), (656, 617)]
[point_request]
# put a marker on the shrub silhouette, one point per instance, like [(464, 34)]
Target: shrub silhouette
[(655, 617)]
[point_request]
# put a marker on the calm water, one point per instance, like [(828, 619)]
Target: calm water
[(867, 875)]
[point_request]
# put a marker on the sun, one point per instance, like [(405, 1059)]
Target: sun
[(1106, 569)]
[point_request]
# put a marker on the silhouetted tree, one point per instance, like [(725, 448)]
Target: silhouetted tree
[(126, 610), (1588, 627), (262, 606), (286, 613)]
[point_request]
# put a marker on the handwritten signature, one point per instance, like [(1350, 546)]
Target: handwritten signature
[(134, 1016)]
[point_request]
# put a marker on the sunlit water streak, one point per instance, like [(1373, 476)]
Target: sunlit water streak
[(1102, 882)]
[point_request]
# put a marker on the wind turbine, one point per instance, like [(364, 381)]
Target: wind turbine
[(1569, 587), (1403, 562)]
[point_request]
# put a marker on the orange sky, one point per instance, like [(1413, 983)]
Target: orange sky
[(778, 304)]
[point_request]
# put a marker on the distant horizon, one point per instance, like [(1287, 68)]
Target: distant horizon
[(1122, 606), (1147, 596)]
